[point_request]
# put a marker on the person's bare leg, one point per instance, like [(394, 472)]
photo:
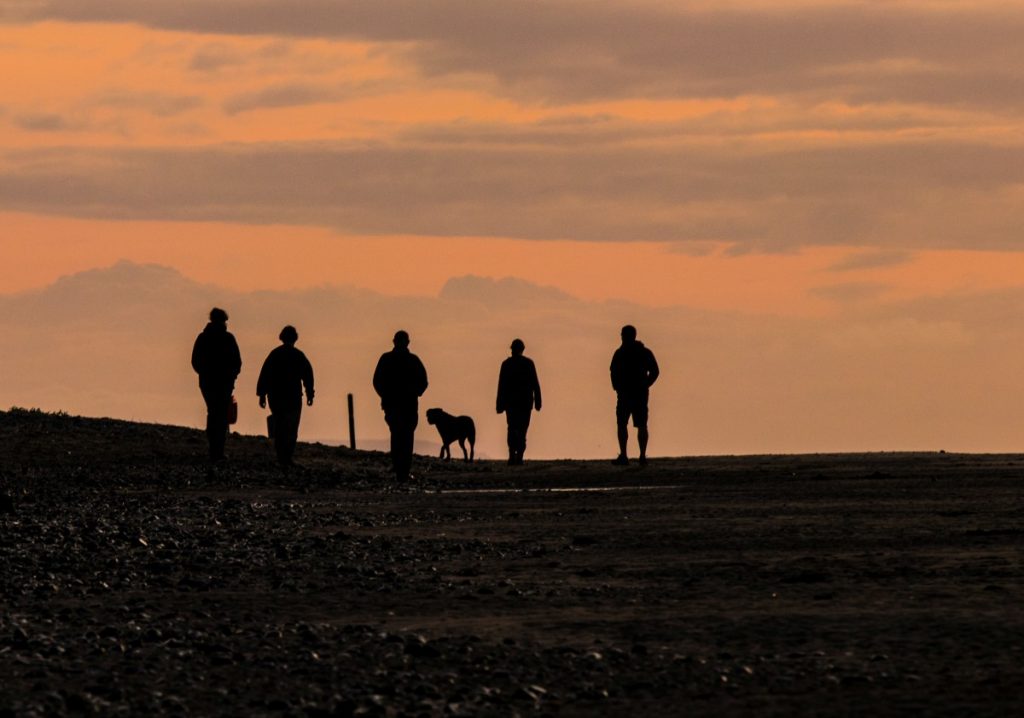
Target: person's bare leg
[(642, 436), (623, 439)]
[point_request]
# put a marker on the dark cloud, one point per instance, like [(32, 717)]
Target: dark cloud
[(213, 57), (216, 56), (156, 103), (896, 196), (713, 127), (44, 122), (851, 291), (284, 95), (568, 133), (970, 84), (871, 260), (597, 49)]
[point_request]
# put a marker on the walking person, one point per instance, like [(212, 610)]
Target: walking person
[(518, 396), (633, 369), (400, 380), (285, 373), (217, 361)]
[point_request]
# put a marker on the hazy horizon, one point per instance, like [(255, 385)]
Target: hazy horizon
[(116, 342)]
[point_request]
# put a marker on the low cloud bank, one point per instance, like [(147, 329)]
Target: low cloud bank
[(933, 374)]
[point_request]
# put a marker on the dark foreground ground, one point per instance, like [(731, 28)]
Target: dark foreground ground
[(132, 583)]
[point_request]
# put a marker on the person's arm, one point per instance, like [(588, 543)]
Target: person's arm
[(307, 380), (379, 379), (197, 355), (499, 402), (536, 387), (422, 379), (236, 358), (653, 372), (263, 382), (615, 372)]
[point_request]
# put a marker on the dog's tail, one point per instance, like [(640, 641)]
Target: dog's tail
[(471, 435)]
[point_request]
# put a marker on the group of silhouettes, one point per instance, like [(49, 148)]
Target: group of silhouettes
[(285, 373), (399, 379)]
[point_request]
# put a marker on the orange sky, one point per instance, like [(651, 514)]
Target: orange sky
[(38, 250), (793, 159)]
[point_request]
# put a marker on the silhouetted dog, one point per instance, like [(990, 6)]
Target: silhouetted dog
[(453, 428)]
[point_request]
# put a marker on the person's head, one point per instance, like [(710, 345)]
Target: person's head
[(289, 335), (218, 316), (517, 347), (401, 339), (628, 334)]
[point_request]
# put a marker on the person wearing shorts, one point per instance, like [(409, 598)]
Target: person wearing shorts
[(633, 370)]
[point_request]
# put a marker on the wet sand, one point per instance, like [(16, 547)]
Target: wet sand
[(135, 583)]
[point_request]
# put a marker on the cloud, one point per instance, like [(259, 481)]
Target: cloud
[(934, 373), (575, 132), (284, 95), (156, 103), (863, 125), (603, 48), (927, 194), (265, 59), (852, 291), (216, 56), (44, 122), (760, 123), (507, 292), (871, 260)]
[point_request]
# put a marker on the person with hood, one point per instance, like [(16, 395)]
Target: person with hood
[(634, 369), (217, 361), (400, 380), (284, 374), (518, 396)]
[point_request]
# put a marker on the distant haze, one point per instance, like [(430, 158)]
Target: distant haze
[(922, 375)]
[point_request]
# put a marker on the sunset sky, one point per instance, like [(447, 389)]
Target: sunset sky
[(811, 210)]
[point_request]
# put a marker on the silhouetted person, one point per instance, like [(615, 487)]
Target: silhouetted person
[(285, 372), (217, 361), (400, 381), (518, 396), (634, 370)]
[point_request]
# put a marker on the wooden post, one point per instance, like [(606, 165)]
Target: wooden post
[(351, 424)]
